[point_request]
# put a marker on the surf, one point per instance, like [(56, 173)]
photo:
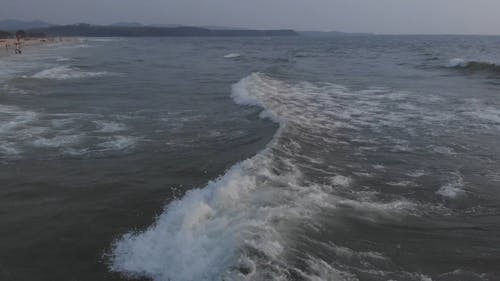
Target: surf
[(238, 226), (474, 65)]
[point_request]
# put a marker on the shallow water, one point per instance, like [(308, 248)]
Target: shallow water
[(367, 158)]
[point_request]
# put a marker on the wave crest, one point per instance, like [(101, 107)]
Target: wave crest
[(474, 66)]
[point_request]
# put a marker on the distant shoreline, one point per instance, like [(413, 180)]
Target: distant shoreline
[(87, 30)]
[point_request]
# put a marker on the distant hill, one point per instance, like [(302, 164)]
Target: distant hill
[(87, 30), (138, 24), (127, 24), (215, 27), (164, 25), (13, 25), (331, 33)]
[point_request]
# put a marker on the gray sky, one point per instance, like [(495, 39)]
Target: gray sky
[(379, 16)]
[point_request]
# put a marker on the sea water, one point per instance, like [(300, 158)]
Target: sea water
[(344, 158)]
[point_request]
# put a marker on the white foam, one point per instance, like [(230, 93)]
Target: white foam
[(417, 173), (236, 222), (63, 59), (442, 149), (14, 118), (109, 126), (57, 141), (8, 148), (242, 94), (232, 55), (457, 62), (451, 190), (118, 143), (66, 72), (402, 183), (196, 238), (319, 270), (488, 114), (341, 181)]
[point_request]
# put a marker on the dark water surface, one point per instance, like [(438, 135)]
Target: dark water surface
[(367, 158)]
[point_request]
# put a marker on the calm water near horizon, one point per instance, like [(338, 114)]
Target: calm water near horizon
[(347, 158)]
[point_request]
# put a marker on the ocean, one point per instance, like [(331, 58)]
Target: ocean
[(293, 158)]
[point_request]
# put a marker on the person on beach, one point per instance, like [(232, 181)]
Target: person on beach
[(19, 35), (18, 47)]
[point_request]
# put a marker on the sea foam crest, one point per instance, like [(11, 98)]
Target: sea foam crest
[(474, 65), (65, 73), (220, 231), (232, 55), (457, 62), (204, 236)]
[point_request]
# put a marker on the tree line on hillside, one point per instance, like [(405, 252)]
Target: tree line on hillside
[(5, 34), (87, 30), (20, 34)]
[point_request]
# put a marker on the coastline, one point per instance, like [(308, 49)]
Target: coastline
[(7, 46)]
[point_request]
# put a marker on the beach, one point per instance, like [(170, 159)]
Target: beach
[(8, 46)]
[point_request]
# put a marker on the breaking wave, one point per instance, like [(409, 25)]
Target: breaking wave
[(474, 66), (234, 228)]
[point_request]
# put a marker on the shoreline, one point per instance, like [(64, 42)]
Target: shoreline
[(7, 46)]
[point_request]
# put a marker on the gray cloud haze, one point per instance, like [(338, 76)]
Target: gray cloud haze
[(379, 16)]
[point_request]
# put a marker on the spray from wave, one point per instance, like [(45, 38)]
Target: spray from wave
[(236, 227)]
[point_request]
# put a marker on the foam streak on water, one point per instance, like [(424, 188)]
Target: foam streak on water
[(65, 73)]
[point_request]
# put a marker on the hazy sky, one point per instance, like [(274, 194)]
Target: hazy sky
[(379, 16)]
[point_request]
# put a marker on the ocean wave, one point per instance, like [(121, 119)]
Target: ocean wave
[(203, 236), (474, 66), (233, 228), (66, 72)]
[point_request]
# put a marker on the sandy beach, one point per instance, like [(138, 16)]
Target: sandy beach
[(8, 46)]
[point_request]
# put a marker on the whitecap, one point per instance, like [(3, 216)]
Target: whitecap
[(451, 190), (457, 62), (232, 55), (9, 148), (63, 59), (109, 126), (118, 143), (65, 73), (341, 181)]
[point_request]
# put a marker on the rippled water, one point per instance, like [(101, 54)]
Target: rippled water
[(350, 158)]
